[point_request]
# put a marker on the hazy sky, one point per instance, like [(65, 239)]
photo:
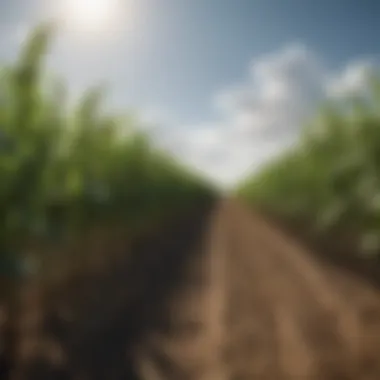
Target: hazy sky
[(230, 80)]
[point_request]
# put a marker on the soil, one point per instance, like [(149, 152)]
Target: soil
[(220, 294)]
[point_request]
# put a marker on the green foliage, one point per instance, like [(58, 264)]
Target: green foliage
[(64, 171), (331, 177)]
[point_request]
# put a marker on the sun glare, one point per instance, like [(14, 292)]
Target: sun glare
[(91, 15)]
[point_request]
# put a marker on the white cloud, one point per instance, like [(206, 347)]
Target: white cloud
[(20, 33), (13, 34), (353, 79), (263, 116)]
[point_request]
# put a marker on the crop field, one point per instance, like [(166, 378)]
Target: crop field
[(118, 262)]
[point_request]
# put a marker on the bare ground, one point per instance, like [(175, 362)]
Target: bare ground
[(219, 295)]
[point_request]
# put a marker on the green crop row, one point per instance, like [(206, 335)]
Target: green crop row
[(330, 179), (67, 169)]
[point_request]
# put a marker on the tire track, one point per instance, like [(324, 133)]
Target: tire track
[(292, 355), (253, 346)]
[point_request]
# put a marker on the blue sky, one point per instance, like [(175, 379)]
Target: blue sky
[(189, 63)]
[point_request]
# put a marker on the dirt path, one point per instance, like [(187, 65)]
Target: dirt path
[(304, 319), (223, 295)]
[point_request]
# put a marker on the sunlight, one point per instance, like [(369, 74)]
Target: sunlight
[(95, 16)]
